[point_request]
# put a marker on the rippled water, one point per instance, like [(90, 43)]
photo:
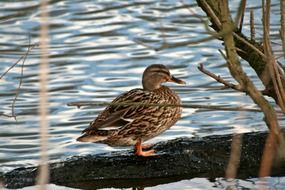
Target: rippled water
[(94, 56), (199, 184)]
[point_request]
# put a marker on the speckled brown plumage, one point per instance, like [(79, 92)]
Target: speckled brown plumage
[(122, 125)]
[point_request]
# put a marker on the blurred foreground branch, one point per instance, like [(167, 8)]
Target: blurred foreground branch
[(184, 105), (43, 175)]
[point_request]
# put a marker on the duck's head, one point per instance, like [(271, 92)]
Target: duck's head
[(156, 74)]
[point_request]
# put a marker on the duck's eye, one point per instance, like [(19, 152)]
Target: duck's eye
[(162, 73)]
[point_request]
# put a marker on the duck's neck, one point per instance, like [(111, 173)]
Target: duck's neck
[(150, 86)]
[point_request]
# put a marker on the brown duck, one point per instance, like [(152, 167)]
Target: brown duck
[(125, 123)]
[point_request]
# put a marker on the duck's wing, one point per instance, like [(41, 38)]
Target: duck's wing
[(116, 114)]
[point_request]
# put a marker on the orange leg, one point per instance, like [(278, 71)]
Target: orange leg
[(139, 149), (146, 146)]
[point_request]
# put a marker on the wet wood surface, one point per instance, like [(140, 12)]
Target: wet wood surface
[(177, 159)]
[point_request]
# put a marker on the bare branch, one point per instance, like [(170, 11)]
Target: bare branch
[(240, 15), (271, 62), (252, 27), (220, 79), (241, 77), (250, 51), (249, 45), (23, 58), (215, 19), (20, 80), (261, 63), (3, 74)]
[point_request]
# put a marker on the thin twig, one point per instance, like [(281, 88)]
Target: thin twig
[(23, 58), (249, 45), (20, 80), (240, 15), (252, 25), (211, 14), (7, 115), (11, 67), (220, 79)]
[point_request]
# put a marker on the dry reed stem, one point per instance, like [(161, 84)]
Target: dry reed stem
[(43, 175)]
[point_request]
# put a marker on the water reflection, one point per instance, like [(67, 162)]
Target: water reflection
[(195, 184), (220, 183)]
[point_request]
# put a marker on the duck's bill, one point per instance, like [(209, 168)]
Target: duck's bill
[(176, 80)]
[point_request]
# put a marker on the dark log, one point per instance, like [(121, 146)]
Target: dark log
[(182, 158)]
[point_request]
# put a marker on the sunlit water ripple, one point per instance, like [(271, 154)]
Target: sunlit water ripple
[(94, 56)]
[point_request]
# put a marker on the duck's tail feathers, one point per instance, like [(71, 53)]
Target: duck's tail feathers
[(91, 138)]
